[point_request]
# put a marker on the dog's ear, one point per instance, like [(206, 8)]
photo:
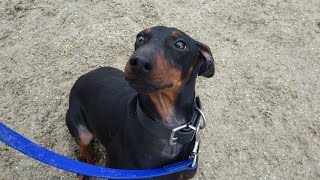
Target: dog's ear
[(207, 67)]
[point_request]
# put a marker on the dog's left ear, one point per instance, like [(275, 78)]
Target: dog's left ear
[(207, 67)]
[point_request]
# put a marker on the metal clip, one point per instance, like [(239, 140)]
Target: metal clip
[(173, 139), (194, 154), (203, 117)]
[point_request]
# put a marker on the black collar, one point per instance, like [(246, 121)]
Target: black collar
[(182, 134)]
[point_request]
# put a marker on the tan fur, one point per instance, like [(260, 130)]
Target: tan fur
[(147, 31), (175, 34), (165, 75), (85, 138)]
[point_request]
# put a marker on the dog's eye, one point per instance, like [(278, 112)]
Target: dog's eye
[(140, 38), (180, 45)]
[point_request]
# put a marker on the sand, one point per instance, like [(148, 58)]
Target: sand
[(262, 106)]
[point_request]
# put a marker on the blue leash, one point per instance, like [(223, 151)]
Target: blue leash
[(20, 143)]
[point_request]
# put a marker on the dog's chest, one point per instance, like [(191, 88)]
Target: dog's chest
[(170, 151)]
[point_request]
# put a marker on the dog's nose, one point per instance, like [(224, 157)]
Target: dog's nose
[(141, 64)]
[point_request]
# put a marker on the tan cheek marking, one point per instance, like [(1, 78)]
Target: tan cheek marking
[(127, 69), (188, 74), (164, 73), (164, 99)]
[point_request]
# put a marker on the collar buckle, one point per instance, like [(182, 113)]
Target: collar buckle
[(173, 138), (200, 125), (182, 134)]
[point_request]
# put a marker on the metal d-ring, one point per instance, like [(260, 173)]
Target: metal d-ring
[(204, 120)]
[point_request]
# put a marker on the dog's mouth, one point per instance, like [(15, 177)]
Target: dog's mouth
[(143, 85)]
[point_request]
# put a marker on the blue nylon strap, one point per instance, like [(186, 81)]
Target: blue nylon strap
[(20, 143)]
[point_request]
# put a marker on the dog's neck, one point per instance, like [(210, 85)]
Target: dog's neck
[(169, 107)]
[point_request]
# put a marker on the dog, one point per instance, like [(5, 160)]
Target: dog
[(132, 112)]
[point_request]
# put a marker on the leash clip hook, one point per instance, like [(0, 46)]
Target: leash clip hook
[(194, 154)]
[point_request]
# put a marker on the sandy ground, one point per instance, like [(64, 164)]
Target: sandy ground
[(263, 104)]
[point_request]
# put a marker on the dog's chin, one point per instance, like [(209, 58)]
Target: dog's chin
[(142, 87), (145, 87)]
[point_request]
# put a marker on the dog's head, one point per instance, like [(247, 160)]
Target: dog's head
[(166, 58)]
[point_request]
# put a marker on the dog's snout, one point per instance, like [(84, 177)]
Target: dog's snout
[(141, 64)]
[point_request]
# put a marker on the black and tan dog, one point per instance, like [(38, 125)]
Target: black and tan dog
[(127, 111)]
